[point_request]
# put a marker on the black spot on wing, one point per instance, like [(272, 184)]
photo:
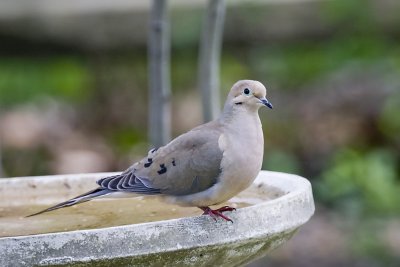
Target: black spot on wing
[(148, 163), (153, 150), (173, 162), (162, 170)]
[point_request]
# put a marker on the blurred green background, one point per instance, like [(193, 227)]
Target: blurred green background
[(73, 98)]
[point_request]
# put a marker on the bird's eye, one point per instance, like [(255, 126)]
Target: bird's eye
[(246, 91)]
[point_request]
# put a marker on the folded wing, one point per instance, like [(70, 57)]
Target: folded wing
[(187, 165)]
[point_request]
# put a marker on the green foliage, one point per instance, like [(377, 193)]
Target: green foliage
[(187, 33), (231, 69), (123, 139), (351, 16), (293, 66), (184, 69), (24, 79), (282, 161), (361, 183), (390, 120)]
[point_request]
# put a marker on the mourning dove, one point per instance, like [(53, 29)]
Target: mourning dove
[(205, 166)]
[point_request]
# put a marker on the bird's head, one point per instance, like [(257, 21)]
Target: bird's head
[(248, 94)]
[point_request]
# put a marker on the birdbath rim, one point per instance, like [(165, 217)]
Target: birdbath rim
[(269, 222)]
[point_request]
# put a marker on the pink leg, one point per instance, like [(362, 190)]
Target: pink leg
[(217, 213), (225, 208)]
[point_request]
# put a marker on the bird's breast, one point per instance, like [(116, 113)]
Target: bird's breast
[(242, 158)]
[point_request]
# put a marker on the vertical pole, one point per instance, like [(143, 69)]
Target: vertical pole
[(209, 61), (159, 74)]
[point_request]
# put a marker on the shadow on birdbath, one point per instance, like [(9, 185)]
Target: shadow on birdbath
[(144, 231)]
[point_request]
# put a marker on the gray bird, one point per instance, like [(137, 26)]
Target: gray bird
[(205, 166)]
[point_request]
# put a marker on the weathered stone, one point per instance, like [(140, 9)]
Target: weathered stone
[(283, 202)]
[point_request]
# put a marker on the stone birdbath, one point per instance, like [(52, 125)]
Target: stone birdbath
[(143, 231)]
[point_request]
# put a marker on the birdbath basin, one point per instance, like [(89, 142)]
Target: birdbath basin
[(143, 231)]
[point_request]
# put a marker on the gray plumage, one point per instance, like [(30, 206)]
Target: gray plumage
[(203, 167)]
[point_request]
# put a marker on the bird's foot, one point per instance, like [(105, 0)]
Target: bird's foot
[(217, 213), (225, 208)]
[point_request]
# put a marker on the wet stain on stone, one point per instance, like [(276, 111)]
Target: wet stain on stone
[(67, 185)]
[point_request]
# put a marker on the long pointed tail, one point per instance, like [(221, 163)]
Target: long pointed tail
[(76, 200)]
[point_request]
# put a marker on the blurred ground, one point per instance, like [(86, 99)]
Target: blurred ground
[(73, 98), (325, 241)]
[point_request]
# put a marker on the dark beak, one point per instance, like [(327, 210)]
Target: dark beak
[(266, 102)]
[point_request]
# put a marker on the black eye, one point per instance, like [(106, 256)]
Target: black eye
[(246, 91)]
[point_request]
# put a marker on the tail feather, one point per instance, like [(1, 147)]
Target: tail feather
[(76, 200)]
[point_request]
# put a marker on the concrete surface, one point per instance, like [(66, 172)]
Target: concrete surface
[(189, 241)]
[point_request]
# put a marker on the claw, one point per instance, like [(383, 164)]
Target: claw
[(218, 212)]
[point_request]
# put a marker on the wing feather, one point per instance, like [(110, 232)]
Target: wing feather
[(189, 164)]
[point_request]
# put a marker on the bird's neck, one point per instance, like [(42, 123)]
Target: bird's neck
[(239, 115), (244, 123), (244, 142)]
